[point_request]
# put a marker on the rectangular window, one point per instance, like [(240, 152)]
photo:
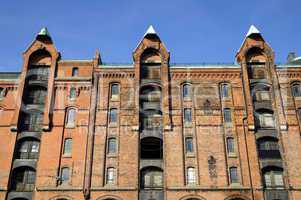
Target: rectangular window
[(112, 146), (225, 91), (187, 115), (71, 117), (296, 90), (114, 90), (186, 91), (233, 175), (230, 145), (65, 175), (75, 71), (189, 145), (110, 175), (267, 120), (67, 146), (191, 176), (113, 115), (227, 115), (278, 179)]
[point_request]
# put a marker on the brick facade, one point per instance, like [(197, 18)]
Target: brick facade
[(81, 129)]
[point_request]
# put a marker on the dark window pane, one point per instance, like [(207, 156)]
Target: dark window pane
[(189, 145), (112, 145), (227, 115), (113, 115), (233, 175), (68, 146), (187, 115), (186, 91), (296, 90), (114, 90), (75, 71), (225, 91), (65, 175), (230, 145)]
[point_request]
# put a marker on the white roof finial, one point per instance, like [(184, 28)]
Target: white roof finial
[(252, 30), (150, 30), (44, 32)]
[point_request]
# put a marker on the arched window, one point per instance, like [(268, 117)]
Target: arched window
[(225, 90), (230, 145), (296, 90), (151, 148), (24, 179), (72, 94), (75, 71), (187, 93), (191, 176), (111, 146), (151, 177), (111, 176), (227, 115), (71, 117), (67, 146), (189, 144), (233, 175), (65, 175), (113, 115), (28, 149), (114, 91), (273, 177)]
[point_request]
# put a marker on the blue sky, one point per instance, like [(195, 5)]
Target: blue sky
[(194, 31)]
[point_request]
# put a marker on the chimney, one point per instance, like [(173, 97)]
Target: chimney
[(290, 57)]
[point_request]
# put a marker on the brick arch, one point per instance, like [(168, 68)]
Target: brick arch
[(59, 197), (109, 197), (237, 197), (192, 197)]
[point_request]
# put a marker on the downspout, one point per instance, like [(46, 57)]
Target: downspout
[(245, 124), (90, 138)]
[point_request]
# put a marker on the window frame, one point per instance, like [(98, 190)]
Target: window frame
[(74, 72), (111, 116), (186, 91), (189, 149), (187, 116), (71, 124), (230, 144), (67, 146), (111, 180), (114, 96), (296, 89), (233, 175), (109, 150), (225, 90), (227, 115), (64, 175), (191, 176)]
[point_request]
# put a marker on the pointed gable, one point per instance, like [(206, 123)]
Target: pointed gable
[(253, 39), (151, 40)]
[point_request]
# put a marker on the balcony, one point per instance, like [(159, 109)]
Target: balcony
[(262, 105), (269, 154), (12, 195), (32, 127), (27, 155), (271, 194), (156, 132), (151, 194), (23, 187)]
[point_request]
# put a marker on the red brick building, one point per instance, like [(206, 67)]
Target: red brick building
[(81, 129)]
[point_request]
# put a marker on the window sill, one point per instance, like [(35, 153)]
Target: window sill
[(187, 99), (232, 155), (228, 124), (111, 155), (67, 155), (114, 98), (70, 126), (235, 185), (113, 125), (188, 124), (190, 155)]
